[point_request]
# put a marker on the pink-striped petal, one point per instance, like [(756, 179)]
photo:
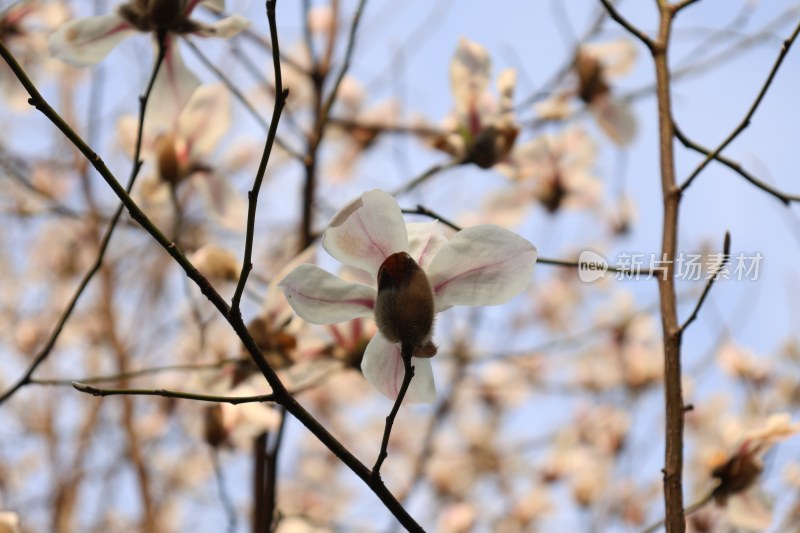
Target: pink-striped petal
[(424, 241), (482, 265), (382, 365), (86, 41), (366, 232), (320, 297)]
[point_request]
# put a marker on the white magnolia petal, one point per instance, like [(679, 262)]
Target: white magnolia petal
[(615, 118), (205, 119), (226, 205), (424, 241), (85, 41), (506, 82), (618, 56), (276, 308), (383, 367), (482, 265), (172, 89), (470, 70), (225, 28), (320, 297), (366, 232), (750, 510)]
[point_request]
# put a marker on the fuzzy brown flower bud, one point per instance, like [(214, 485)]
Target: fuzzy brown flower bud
[(404, 306)]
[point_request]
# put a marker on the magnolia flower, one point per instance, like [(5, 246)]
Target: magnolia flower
[(24, 27), (483, 129), (86, 41), (357, 127), (737, 478), (554, 170), (181, 155), (594, 66), (418, 273)]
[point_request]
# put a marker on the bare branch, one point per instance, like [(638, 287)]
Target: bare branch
[(750, 112), (633, 30), (280, 101), (726, 250), (236, 400)]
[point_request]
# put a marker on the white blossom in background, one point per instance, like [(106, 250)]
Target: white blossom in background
[(86, 41), (24, 27), (483, 128), (555, 171), (9, 522), (181, 156), (482, 265), (595, 65)]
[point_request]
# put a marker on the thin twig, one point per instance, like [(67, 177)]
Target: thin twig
[(224, 497), (406, 352), (252, 196), (633, 30), (726, 250), (101, 251), (139, 373), (736, 167), (348, 55), (696, 506), (750, 112), (165, 393), (425, 176), (649, 273), (682, 5)]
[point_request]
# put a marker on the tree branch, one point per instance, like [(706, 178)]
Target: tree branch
[(165, 393), (633, 30), (726, 250), (735, 166), (750, 112)]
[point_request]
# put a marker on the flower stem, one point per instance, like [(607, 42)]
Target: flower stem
[(406, 352)]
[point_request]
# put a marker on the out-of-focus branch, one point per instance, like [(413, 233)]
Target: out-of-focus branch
[(139, 373), (243, 99), (425, 176), (322, 110), (101, 251)]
